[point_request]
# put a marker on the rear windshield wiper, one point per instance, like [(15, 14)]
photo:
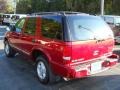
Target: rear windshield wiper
[(80, 26)]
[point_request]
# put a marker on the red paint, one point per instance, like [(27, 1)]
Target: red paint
[(81, 53)]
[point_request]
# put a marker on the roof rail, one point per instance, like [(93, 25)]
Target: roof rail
[(58, 13)]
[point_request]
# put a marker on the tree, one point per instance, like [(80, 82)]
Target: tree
[(2, 5), (116, 5), (109, 6), (24, 6), (87, 6)]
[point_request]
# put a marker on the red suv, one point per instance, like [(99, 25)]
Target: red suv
[(65, 44)]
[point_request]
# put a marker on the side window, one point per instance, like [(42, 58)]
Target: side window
[(52, 27), (20, 25), (109, 20), (30, 26)]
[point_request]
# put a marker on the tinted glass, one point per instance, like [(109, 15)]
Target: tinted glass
[(88, 28), (13, 17), (109, 20), (30, 26), (52, 27), (117, 20), (6, 16), (19, 25)]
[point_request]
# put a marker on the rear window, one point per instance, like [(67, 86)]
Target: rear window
[(6, 16), (88, 28), (14, 17), (117, 20), (109, 20)]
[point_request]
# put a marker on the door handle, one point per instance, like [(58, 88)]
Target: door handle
[(33, 40), (23, 37)]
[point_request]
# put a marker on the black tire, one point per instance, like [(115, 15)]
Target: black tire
[(49, 78), (8, 50)]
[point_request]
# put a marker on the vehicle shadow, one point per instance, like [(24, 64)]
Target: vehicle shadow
[(18, 72), (103, 82)]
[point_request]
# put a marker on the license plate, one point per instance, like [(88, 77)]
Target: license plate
[(96, 67)]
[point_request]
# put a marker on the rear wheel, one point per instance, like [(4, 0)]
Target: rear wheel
[(44, 71), (8, 50)]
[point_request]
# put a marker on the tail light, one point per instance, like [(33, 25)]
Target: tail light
[(111, 60), (114, 56), (67, 53)]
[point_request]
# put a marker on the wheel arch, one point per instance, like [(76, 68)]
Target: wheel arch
[(5, 39), (38, 52)]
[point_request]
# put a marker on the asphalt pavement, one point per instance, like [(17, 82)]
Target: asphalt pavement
[(18, 74)]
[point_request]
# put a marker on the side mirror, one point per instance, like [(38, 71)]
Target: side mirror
[(12, 28)]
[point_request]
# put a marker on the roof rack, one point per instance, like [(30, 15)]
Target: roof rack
[(58, 13)]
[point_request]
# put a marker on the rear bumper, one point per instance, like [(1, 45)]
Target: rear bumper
[(86, 69), (105, 64)]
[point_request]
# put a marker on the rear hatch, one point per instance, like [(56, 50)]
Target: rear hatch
[(91, 37)]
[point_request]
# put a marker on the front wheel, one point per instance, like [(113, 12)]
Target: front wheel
[(8, 50)]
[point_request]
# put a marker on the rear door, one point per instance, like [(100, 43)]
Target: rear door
[(52, 37), (28, 36)]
